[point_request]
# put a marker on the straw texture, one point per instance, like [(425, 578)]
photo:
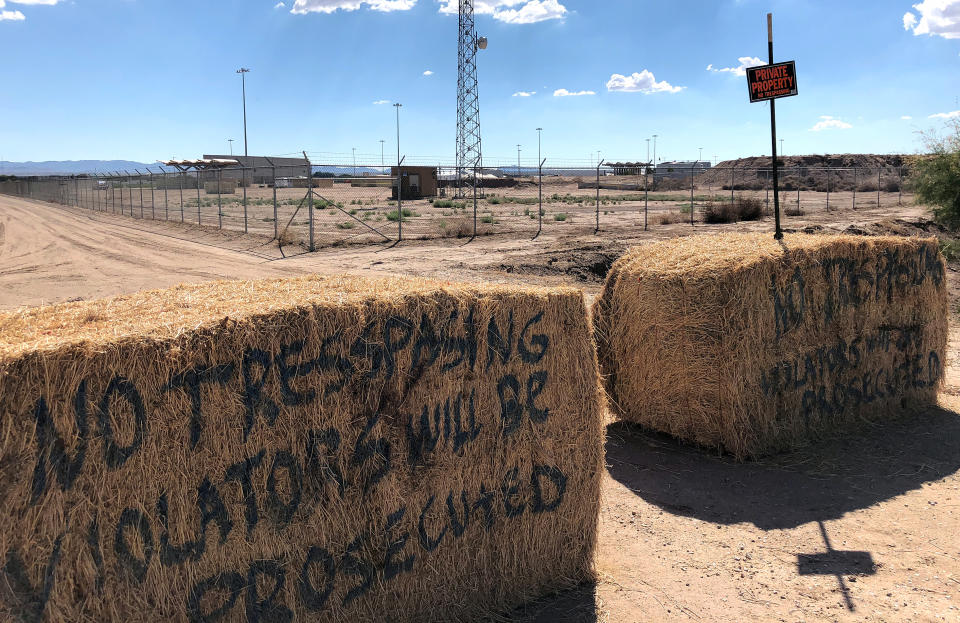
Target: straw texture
[(740, 342), (331, 449)]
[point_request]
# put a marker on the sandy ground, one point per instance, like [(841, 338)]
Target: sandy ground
[(864, 528)]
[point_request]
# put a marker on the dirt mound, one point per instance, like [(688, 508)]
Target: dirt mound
[(588, 263)]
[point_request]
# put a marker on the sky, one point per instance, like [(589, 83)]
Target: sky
[(146, 80)]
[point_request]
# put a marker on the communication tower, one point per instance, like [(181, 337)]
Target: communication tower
[(469, 153)]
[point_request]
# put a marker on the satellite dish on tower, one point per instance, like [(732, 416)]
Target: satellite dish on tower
[(481, 43)]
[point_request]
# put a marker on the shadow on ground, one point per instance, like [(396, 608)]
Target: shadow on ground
[(577, 605), (822, 482)]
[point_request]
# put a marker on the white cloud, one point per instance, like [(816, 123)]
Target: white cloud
[(906, 117), (643, 82), (11, 16), (566, 93), (741, 69), (946, 115), (381, 102), (937, 17), (279, 5), (302, 7), (827, 122), (511, 11), (428, 73), (525, 93)]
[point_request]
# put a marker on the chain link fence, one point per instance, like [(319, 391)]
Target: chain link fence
[(333, 207)]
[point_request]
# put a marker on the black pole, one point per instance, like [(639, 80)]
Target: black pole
[(778, 235)]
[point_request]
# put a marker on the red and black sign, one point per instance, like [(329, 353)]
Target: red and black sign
[(769, 82)]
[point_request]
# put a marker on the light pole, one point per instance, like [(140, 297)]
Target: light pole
[(518, 160), (230, 140), (781, 148), (381, 154), (354, 150), (243, 85), (539, 135), (655, 151), (648, 150), (700, 157)]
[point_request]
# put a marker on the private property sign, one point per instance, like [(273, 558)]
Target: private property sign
[(769, 82)]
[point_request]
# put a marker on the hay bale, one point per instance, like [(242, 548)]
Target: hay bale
[(334, 449), (740, 342)]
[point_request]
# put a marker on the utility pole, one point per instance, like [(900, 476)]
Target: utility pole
[(354, 149), (700, 157), (518, 160), (243, 71), (781, 140), (654, 151), (381, 154), (648, 150), (230, 140)]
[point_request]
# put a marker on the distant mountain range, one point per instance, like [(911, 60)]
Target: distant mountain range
[(70, 167)]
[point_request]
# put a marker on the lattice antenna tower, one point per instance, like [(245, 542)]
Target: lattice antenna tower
[(469, 152)]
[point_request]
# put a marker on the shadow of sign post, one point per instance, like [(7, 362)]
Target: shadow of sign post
[(837, 563)]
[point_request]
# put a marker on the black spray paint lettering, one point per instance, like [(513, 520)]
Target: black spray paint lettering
[(322, 467), (210, 508), (31, 601), (450, 423), (371, 451), (788, 304), (116, 455), (513, 408), (50, 446), (136, 563), (254, 400), (242, 473), (282, 511), (191, 381), (266, 609), (381, 353)]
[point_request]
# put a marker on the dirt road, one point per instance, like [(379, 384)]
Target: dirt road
[(865, 528)]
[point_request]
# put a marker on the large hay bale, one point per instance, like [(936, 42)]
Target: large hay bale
[(334, 449), (741, 342)]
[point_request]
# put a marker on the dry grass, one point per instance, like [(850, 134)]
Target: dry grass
[(740, 342), (319, 448)]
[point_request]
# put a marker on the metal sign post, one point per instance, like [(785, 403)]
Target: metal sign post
[(767, 83)]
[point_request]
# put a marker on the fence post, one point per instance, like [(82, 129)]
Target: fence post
[(76, 191), (691, 196), (166, 200), (198, 196), (540, 201), (244, 180), (140, 183), (276, 231), (475, 178), (182, 176), (854, 188), (597, 229), (798, 187), (900, 188), (646, 194), (219, 200), (733, 182), (153, 197), (130, 191), (828, 189), (120, 183)]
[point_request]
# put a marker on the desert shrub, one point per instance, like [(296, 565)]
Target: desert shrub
[(719, 213), (935, 179), (346, 225), (748, 209), (891, 186), (487, 218), (442, 203), (793, 211), (670, 217), (394, 215), (560, 216)]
